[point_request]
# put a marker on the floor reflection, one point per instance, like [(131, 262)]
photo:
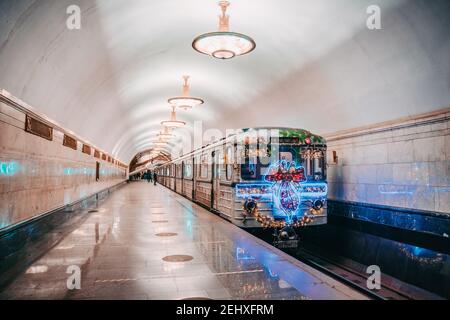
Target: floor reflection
[(121, 256)]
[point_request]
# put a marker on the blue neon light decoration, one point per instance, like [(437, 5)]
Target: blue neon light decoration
[(286, 185), (9, 168), (261, 191), (313, 189), (285, 175)]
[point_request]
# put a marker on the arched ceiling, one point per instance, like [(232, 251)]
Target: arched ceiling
[(316, 65)]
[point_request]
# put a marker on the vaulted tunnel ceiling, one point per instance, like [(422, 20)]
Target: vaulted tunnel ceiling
[(316, 65)]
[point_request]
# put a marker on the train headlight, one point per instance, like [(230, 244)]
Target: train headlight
[(284, 235), (318, 204), (250, 206)]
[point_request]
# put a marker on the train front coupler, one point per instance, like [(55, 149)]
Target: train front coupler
[(285, 238)]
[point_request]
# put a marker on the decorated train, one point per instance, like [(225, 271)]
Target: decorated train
[(259, 177)]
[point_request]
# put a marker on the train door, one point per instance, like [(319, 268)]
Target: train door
[(182, 178), (194, 178), (215, 183), (175, 173), (97, 171)]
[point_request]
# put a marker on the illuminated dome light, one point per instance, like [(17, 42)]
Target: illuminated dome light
[(159, 143), (165, 135), (173, 122), (185, 101), (224, 44)]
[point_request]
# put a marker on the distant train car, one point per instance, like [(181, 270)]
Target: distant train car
[(262, 177)]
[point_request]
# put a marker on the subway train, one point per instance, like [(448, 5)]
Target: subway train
[(257, 178)]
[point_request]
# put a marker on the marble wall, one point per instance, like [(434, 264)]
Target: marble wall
[(402, 164), (38, 175)]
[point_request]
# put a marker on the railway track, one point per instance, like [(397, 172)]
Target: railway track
[(348, 276), (353, 278)]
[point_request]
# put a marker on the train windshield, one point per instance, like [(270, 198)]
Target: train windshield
[(310, 158)]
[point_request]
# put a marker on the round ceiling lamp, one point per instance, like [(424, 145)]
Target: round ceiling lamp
[(173, 122), (224, 44), (159, 143), (185, 101), (165, 135)]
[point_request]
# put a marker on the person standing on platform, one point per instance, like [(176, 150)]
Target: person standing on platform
[(148, 176), (155, 178)]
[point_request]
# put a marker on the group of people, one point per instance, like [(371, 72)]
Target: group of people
[(151, 176), (148, 175)]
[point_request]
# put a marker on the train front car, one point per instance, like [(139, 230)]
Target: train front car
[(282, 181)]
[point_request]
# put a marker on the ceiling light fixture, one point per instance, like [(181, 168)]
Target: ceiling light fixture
[(173, 122), (224, 44), (185, 101), (159, 143), (165, 135)]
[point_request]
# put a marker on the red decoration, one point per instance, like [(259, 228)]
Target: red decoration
[(296, 176)]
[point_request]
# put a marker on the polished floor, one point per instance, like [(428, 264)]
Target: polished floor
[(146, 242)]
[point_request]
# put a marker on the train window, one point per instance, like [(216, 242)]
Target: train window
[(314, 163), (249, 171), (179, 170), (197, 166), (287, 156), (256, 170), (188, 170), (218, 164), (319, 165), (204, 166), (229, 163)]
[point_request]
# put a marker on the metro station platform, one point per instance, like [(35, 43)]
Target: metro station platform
[(146, 242)]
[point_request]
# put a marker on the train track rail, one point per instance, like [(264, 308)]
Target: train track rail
[(355, 278), (348, 276)]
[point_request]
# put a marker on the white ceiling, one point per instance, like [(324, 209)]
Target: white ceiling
[(315, 66)]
